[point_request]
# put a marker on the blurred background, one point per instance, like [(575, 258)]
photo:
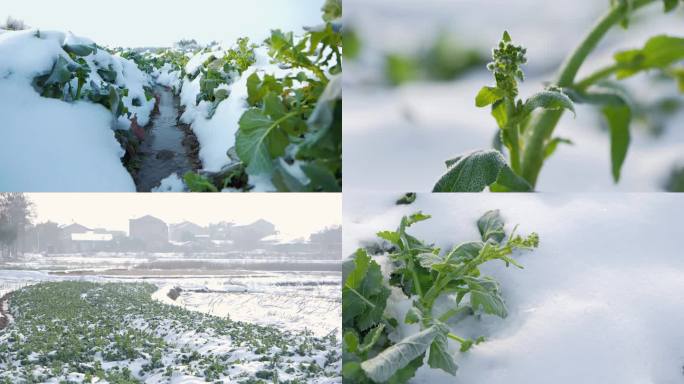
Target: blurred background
[(413, 69)]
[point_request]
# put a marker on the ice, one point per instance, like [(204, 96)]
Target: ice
[(597, 302)]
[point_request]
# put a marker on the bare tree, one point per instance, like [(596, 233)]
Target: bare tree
[(13, 24), (16, 212)]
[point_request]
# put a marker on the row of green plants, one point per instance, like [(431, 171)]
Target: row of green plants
[(526, 125), (64, 328), (70, 79), (302, 109), (422, 273)]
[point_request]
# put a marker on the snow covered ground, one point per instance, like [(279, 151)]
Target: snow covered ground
[(597, 302), (420, 125), (291, 301), (294, 301), (52, 145)]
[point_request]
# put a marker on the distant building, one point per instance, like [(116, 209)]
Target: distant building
[(151, 231), (186, 231), (91, 241)]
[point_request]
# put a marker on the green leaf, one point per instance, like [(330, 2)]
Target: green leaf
[(548, 99), (351, 341), (551, 146), (402, 376), (477, 170), (485, 295), (364, 295), (407, 198), (321, 179), (439, 357), (391, 236), (60, 73), (618, 118), (413, 316), (259, 141), (383, 366), (488, 95), (79, 49), (371, 338), (198, 183), (491, 226), (670, 5), (658, 52), (499, 113), (332, 10)]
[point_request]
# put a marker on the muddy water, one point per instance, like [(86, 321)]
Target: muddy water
[(162, 152)]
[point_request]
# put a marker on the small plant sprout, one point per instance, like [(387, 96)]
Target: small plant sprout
[(423, 273), (526, 126)]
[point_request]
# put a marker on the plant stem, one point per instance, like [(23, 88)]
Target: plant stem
[(455, 337), (544, 124), (512, 130), (596, 76)]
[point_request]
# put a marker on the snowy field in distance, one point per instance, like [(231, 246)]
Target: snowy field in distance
[(598, 302), (290, 300)]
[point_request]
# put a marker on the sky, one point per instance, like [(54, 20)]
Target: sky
[(143, 23), (295, 215)]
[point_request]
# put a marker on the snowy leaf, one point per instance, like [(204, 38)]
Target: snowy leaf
[(258, 141), (386, 363), (439, 357), (491, 226)]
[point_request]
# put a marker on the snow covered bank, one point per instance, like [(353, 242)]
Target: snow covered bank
[(596, 302), (291, 301), (64, 140)]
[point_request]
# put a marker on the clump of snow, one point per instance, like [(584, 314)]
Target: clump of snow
[(53, 145), (172, 183), (595, 303)]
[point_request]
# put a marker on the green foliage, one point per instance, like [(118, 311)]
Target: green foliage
[(79, 327), (478, 170), (71, 68), (297, 117), (444, 59), (423, 273), (198, 183), (526, 127), (407, 198)]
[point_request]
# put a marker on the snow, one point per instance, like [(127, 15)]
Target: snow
[(595, 303), (290, 301), (420, 125), (216, 134), (172, 183), (51, 145)]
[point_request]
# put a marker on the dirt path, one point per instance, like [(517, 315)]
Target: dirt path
[(167, 147), (5, 317)]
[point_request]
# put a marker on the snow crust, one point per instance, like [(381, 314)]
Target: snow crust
[(597, 302)]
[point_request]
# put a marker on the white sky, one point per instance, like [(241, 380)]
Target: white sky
[(137, 23), (294, 214)]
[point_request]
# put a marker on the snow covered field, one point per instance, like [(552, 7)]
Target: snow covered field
[(597, 302), (301, 307), (420, 125), (115, 333)]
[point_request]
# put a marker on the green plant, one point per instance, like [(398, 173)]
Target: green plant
[(526, 127), (298, 116), (423, 273)]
